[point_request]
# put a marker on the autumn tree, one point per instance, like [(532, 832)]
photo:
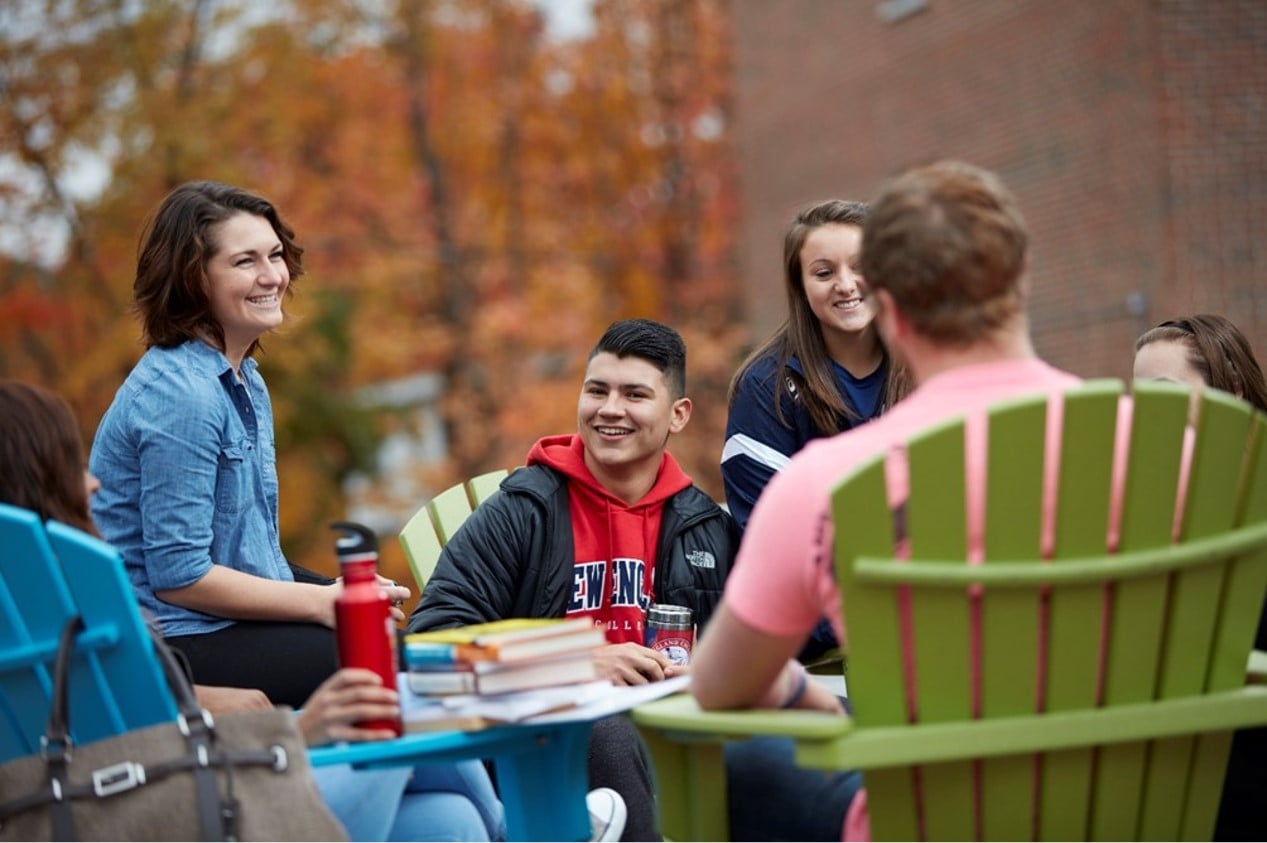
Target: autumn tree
[(477, 199)]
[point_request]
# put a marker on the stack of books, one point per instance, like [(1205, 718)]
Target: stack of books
[(508, 655), (469, 712)]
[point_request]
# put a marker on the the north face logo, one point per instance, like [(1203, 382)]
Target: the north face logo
[(701, 559)]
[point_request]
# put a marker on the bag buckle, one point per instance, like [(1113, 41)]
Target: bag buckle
[(117, 778), (184, 723), (55, 750)]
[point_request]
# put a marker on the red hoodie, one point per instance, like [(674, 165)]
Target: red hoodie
[(614, 576)]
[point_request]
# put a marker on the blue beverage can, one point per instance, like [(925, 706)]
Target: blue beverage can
[(671, 631)]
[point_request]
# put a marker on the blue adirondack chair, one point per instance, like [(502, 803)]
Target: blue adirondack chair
[(46, 577), (48, 573), (1143, 649)]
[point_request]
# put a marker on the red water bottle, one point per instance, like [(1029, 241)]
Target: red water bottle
[(362, 613)]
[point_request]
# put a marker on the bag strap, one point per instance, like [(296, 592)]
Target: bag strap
[(55, 745), (217, 816)]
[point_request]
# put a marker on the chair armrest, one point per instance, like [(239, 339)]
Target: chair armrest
[(682, 717), (1257, 670)]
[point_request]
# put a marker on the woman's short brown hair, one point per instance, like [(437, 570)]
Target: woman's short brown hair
[(169, 293)]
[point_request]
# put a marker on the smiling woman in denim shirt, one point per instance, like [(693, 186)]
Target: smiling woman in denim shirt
[(186, 454), (44, 472)]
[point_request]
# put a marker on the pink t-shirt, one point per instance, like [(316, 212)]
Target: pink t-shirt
[(783, 579)]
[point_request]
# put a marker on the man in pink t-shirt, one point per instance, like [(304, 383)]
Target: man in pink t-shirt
[(944, 258)]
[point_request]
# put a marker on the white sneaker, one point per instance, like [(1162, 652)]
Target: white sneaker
[(607, 813)]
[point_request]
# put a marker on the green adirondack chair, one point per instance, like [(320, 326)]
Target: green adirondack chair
[(1135, 749), (425, 533)]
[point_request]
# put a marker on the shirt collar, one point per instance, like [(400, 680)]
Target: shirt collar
[(204, 358)]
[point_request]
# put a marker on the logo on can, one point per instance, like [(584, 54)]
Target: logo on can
[(671, 631)]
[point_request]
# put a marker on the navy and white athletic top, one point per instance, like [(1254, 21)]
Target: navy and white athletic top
[(758, 445)]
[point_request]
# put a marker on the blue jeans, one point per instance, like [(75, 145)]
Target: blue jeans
[(441, 802), (773, 799)]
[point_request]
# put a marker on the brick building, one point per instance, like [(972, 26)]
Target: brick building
[(1134, 133)]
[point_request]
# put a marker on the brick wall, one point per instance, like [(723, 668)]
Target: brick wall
[(1134, 133)]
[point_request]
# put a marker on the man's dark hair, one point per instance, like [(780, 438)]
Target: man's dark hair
[(655, 342)]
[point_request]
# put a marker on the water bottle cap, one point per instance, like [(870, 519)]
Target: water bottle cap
[(358, 540)]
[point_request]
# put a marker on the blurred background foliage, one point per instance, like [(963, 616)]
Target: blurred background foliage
[(477, 198)]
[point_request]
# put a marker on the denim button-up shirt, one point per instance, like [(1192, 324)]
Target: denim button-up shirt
[(188, 472)]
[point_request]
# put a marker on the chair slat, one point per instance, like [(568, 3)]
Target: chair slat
[(1208, 769), (448, 510), (1190, 625), (1247, 575), (1010, 618), (862, 508), (937, 528), (891, 804), (1013, 522), (864, 527), (132, 690), (34, 606), (1215, 504), (1074, 612), (483, 485), (421, 545), (1151, 483), (1137, 622), (1241, 607), (425, 533), (1209, 510)]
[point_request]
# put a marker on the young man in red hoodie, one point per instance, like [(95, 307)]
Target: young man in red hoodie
[(600, 524)]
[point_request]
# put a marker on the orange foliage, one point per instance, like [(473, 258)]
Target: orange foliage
[(475, 200)]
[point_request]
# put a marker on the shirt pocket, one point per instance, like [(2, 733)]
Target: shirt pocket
[(233, 479)]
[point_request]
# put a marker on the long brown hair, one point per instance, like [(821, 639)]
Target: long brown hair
[(1218, 350), (42, 456), (801, 334)]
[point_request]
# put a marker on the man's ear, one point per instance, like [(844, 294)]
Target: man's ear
[(888, 319), (680, 414)]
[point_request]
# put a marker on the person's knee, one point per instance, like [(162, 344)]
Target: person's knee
[(763, 771), (616, 734), (438, 817)]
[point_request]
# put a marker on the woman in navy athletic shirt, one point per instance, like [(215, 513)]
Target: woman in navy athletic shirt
[(823, 371)]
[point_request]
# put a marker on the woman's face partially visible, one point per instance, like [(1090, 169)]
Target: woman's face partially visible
[(91, 484), (1167, 360)]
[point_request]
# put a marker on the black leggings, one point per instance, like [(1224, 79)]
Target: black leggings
[(287, 661)]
